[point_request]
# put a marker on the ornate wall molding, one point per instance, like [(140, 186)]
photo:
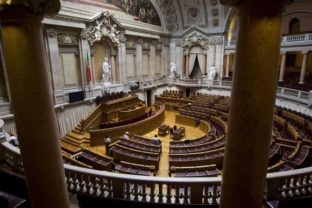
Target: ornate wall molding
[(67, 39), (105, 25), (52, 33), (170, 14), (195, 38)]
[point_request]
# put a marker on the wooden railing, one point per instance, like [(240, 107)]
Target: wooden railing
[(280, 185), (140, 127), (86, 123)]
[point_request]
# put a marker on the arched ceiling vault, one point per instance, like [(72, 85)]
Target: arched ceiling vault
[(180, 15)]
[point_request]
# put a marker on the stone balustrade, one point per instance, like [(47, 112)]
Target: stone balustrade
[(289, 40), (279, 185), (286, 93)]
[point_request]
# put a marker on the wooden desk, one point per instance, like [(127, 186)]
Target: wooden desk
[(178, 133), (163, 130)]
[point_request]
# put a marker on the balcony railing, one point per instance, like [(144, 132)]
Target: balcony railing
[(167, 190), (290, 40), (287, 93)]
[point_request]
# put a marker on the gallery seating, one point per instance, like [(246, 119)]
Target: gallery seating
[(134, 144), (195, 171), (95, 160), (136, 169), (121, 153)]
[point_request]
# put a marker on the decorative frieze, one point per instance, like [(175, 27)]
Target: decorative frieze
[(67, 39)]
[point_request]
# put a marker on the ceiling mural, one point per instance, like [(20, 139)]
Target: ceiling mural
[(142, 10)]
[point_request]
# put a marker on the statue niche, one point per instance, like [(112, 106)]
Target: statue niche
[(195, 46), (197, 63), (103, 26), (103, 36)]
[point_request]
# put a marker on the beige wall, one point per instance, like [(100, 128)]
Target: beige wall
[(300, 10)]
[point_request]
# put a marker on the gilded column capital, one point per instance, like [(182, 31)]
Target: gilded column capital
[(40, 7)]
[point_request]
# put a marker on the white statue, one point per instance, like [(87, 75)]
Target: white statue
[(106, 76), (212, 73), (173, 69), (113, 34)]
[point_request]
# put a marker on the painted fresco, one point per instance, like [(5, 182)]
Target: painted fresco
[(142, 10)]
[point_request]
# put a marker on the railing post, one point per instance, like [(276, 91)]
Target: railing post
[(117, 188), (310, 97), (196, 193), (2, 139), (282, 90)]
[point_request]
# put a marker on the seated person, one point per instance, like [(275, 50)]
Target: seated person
[(107, 142), (171, 130), (155, 140), (126, 135), (174, 127)]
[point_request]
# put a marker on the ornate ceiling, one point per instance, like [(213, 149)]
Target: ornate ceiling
[(174, 16), (179, 15)]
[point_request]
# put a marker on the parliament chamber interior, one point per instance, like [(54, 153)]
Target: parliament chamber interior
[(156, 103)]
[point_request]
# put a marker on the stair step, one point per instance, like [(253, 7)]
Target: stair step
[(75, 135)]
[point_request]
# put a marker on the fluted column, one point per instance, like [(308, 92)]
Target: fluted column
[(252, 103), (303, 67), (35, 118), (186, 66), (282, 70), (139, 59), (152, 62), (113, 65), (227, 66), (122, 69)]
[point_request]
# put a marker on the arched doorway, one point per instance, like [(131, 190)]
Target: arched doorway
[(294, 26)]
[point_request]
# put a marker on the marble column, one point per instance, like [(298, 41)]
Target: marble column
[(303, 67), (113, 62), (227, 66), (179, 58), (186, 66), (122, 62), (282, 69), (113, 65), (139, 59), (32, 102), (152, 62), (252, 103)]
